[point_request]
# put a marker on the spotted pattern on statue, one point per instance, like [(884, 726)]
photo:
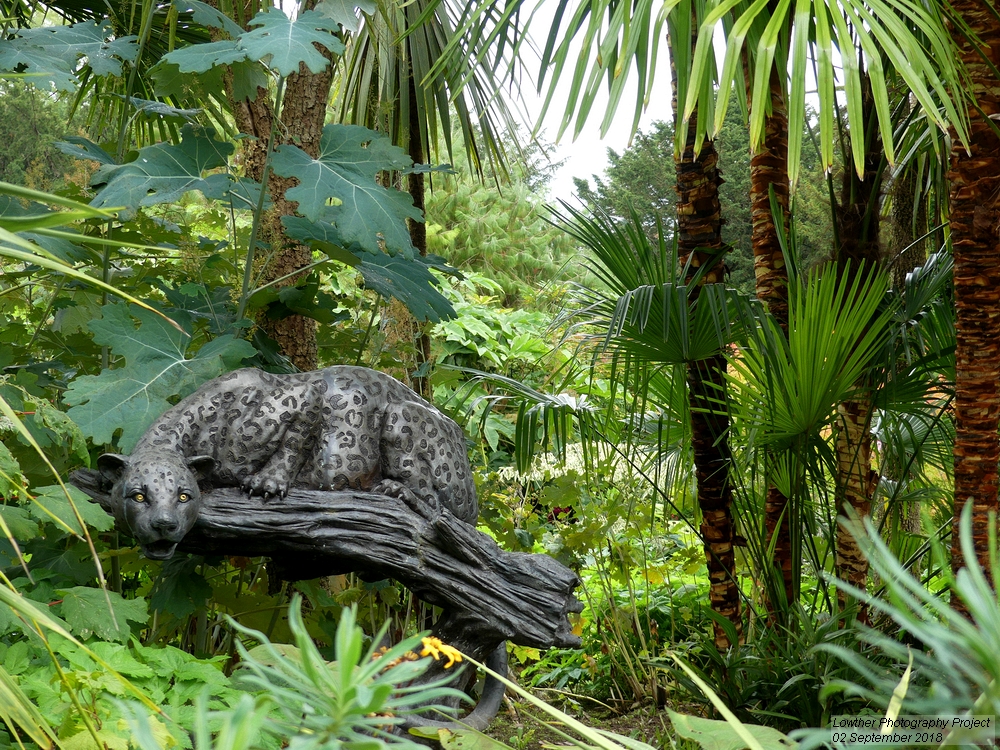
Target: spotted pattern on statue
[(341, 428)]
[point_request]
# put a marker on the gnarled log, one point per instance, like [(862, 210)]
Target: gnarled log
[(489, 595)]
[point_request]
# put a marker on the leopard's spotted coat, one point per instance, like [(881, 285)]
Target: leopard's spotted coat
[(335, 429)]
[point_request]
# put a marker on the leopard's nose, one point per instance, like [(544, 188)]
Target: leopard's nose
[(165, 524)]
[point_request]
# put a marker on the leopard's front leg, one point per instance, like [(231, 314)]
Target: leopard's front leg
[(295, 419)]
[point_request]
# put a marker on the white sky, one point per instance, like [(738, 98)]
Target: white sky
[(587, 155)]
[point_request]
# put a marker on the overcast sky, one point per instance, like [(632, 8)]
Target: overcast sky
[(587, 155)]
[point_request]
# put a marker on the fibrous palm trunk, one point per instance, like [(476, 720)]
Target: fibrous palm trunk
[(418, 235), (857, 220), (975, 224), (769, 173), (699, 225)]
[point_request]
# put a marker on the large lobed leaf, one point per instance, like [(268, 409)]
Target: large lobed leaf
[(287, 43), (52, 500), (50, 55), (349, 158), (156, 371), (278, 41), (405, 277), (163, 172), (85, 609)]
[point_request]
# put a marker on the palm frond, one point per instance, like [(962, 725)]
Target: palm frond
[(403, 42)]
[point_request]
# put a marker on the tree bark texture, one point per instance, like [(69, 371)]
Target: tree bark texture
[(303, 114), (975, 226), (489, 595), (857, 220), (769, 171), (699, 231), (908, 222), (856, 483), (416, 183)]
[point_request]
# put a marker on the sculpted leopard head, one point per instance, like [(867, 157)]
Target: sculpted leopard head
[(158, 495)]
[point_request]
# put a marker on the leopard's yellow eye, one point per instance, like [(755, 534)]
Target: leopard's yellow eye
[(139, 497), (184, 497)]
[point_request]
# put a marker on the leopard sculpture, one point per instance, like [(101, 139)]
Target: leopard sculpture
[(341, 428)]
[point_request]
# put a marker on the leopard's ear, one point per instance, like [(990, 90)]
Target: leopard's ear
[(201, 466), (111, 466)]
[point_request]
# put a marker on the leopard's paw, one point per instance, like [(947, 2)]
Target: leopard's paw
[(266, 486)]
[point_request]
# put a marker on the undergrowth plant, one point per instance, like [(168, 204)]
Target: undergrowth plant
[(949, 658)]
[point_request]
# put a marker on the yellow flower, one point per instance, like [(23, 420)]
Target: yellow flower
[(434, 647)]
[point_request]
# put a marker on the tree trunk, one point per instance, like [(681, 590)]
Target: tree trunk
[(975, 224), (857, 219), (418, 236), (855, 483), (908, 222), (699, 228), (303, 114), (769, 171)]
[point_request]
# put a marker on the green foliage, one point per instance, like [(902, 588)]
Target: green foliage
[(952, 656), (789, 390), (349, 158), (643, 178), (620, 512), (345, 703), (156, 370), (32, 121), (83, 609), (714, 734), (50, 55), (283, 42), (502, 234), (286, 43), (51, 503), (164, 172)]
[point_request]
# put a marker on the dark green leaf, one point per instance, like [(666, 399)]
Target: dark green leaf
[(199, 58), (402, 277), (10, 473), (54, 500), (349, 158), (180, 589), (54, 52), (342, 11), (19, 521), (68, 560), (248, 76), (82, 148), (156, 370), (164, 172), (209, 17), (86, 611), (168, 80), (288, 43)]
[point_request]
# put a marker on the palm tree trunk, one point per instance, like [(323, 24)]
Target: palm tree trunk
[(855, 483), (699, 228), (857, 219), (975, 223), (769, 172), (418, 235), (908, 223)]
